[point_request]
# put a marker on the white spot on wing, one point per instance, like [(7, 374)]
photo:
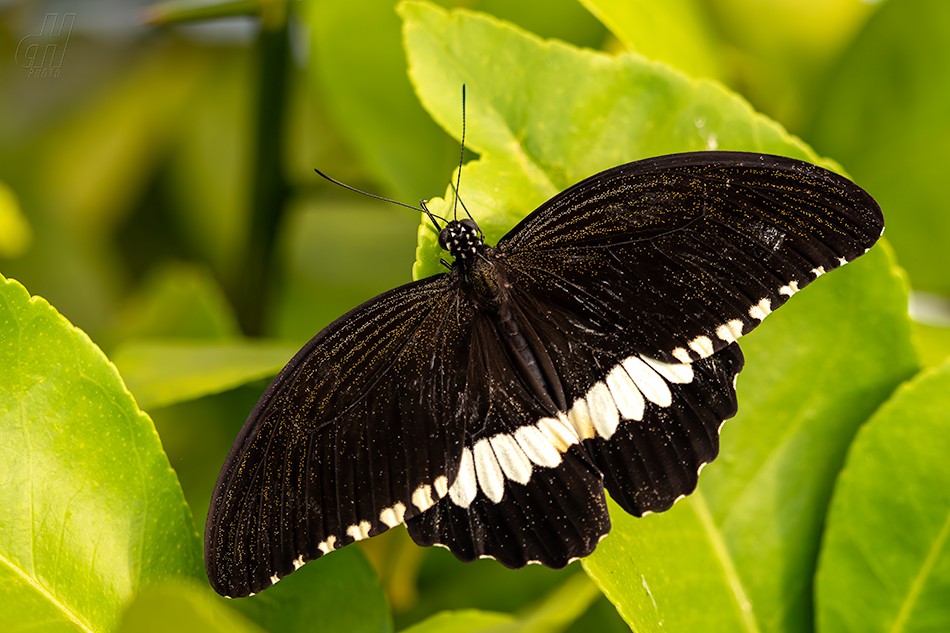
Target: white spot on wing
[(359, 532), (274, 579), (842, 261), (328, 545), (603, 411), (579, 417), (558, 433), (730, 331), (393, 516), (702, 346), (536, 447), (790, 289), (422, 497), (465, 486), (681, 355), (818, 272), (490, 478), (679, 374), (513, 461), (760, 310), (298, 562), (650, 384), (627, 397), (441, 485)]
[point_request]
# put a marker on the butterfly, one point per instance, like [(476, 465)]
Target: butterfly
[(488, 408)]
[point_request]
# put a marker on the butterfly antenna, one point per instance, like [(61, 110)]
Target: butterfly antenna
[(458, 181), (422, 205)]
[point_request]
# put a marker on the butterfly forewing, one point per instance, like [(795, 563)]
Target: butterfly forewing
[(361, 430), (685, 253), (489, 408)]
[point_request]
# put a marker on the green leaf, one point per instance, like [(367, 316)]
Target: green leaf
[(671, 572), (759, 511), (461, 621), (677, 32), (554, 613), (325, 255), (535, 137), (90, 509), (183, 608), (741, 552), (339, 592), (178, 300), (932, 343), (885, 562), (878, 116), (15, 232), (377, 112), (161, 372), (184, 11)]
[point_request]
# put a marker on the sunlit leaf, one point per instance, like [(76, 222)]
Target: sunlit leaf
[(676, 32), (885, 564), (15, 232), (90, 509), (183, 608), (160, 372)]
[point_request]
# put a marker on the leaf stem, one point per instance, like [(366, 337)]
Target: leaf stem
[(270, 189)]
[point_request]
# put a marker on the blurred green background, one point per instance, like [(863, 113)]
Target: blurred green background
[(157, 184)]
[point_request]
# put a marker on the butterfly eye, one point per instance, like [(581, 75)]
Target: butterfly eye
[(470, 224), (446, 235)]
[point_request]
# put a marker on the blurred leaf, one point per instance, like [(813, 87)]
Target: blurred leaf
[(183, 11), (162, 372), (104, 153), (336, 255), (882, 114), (358, 68), (90, 510), (559, 608), (15, 232), (447, 584), (932, 343), (462, 621), (544, 115), (779, 52), (885, 565), (554, 613), (209, 173), (183, 609), (676, 32), (178, 300), (339, 592)]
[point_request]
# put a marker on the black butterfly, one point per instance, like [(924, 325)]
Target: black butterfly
[(489, 407)]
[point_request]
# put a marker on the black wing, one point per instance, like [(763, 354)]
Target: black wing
[(530, 484), (636, 283), (361, 430), (686, 253)]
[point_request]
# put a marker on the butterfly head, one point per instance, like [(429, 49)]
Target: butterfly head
[(462, 239)]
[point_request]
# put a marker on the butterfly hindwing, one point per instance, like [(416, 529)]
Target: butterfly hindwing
[(686, 253), (530, 487)]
